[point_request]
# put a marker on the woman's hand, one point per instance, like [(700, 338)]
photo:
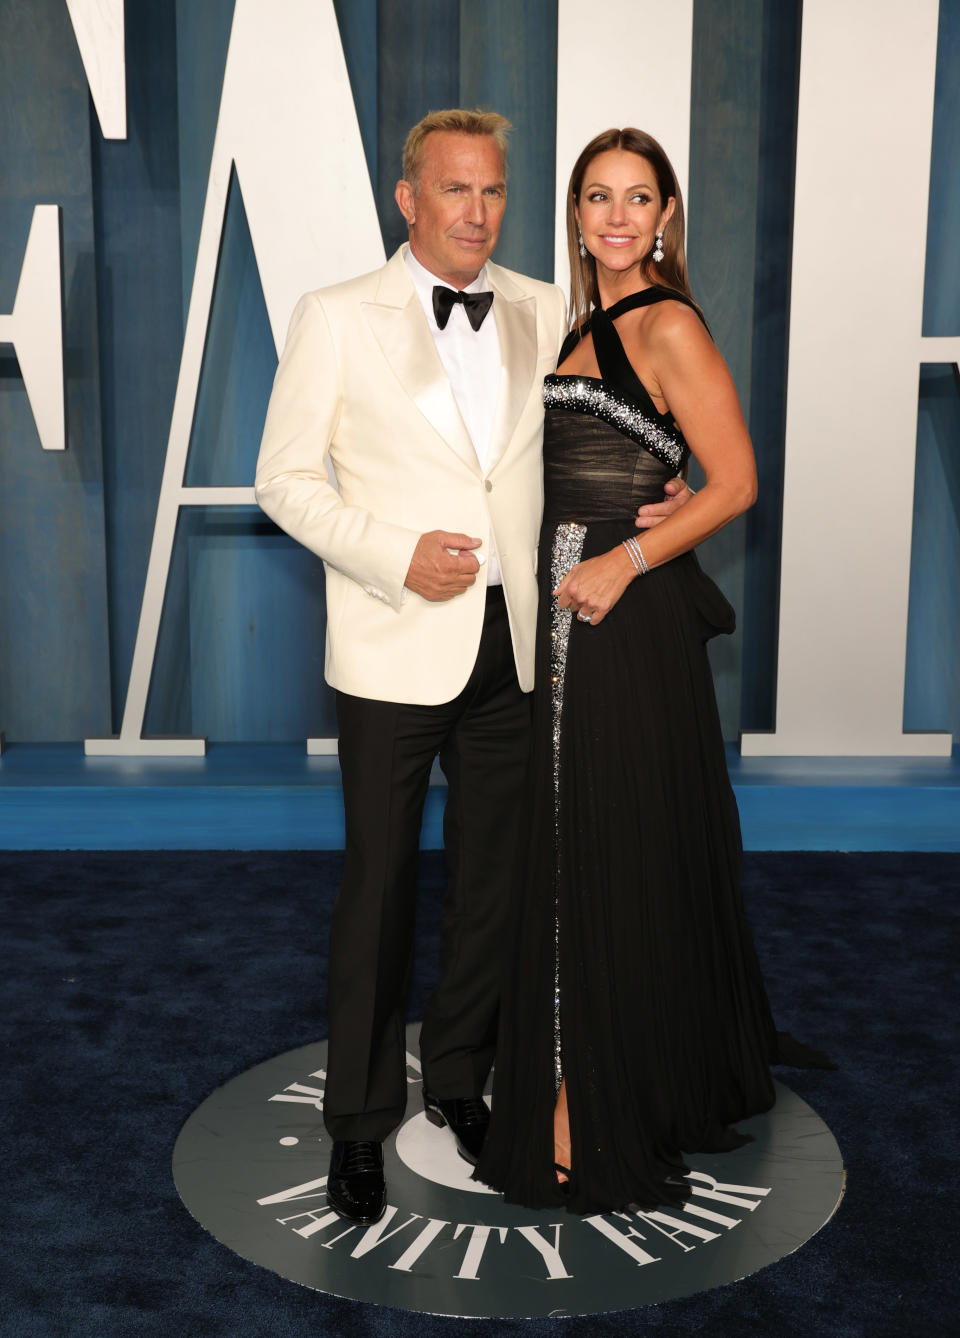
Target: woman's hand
[(592, 588)]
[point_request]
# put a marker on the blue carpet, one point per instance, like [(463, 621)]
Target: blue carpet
[(136, 983)]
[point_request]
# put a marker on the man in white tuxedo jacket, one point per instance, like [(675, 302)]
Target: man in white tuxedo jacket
[(421, 383)]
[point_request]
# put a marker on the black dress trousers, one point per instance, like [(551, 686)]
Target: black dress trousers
[(386, 751)]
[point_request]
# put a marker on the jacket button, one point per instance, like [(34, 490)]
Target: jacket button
[(488, 485)]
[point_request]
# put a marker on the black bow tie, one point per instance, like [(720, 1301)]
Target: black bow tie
[(476, 305)]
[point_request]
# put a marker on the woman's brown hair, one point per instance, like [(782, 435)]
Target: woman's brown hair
[(671, 271)]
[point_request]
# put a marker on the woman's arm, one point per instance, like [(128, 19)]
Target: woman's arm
[(694, 381)]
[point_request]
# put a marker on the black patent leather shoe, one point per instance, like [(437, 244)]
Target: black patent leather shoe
[(355, 1186), (466, 1116)]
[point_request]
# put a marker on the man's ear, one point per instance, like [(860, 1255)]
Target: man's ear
[(406, 201)]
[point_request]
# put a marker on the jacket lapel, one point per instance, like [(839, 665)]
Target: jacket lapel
[(400, 328), (516, 315)]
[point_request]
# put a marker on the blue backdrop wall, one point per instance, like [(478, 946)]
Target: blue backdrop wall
[(240, 654)]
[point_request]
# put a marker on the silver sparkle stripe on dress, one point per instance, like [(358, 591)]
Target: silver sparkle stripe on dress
[(585, 396), (567, 546)]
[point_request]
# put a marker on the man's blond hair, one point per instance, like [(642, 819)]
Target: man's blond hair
[(458, 119)]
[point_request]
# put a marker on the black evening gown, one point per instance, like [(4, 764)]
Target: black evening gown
[(633, 971)]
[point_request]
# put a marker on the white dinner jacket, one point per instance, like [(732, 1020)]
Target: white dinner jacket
[(360, 381)]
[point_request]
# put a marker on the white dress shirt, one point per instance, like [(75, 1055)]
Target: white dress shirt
[(471, 360)]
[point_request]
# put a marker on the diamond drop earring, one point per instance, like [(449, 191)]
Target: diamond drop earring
[(583, 249), (658, 248)]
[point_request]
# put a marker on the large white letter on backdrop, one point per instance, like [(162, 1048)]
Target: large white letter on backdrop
[(627, 80), (288, 122), (99, 29), (35, 326), (864, 134)]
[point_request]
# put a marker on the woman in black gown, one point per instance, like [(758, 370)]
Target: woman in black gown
[(634, 1024)]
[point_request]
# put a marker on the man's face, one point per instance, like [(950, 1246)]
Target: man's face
[(455, 212)]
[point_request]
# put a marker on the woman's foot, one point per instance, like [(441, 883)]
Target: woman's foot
[(561, 1165), (561, 1137)]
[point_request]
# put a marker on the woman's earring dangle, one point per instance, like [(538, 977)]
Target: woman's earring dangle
[(583, 249), (658, 248)]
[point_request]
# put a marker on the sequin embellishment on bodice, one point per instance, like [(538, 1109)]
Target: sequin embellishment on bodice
[(588, 394)]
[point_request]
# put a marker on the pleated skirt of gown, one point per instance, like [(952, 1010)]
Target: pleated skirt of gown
[(631, 904)]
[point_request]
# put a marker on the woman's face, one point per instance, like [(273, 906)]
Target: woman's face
[(620, 210)]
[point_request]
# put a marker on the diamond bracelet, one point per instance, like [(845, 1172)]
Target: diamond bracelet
[(635, 554)]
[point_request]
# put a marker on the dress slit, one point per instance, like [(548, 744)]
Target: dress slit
[(567, 546)]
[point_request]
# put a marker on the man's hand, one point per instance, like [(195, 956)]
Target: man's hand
[(676, 495), (435, 572)]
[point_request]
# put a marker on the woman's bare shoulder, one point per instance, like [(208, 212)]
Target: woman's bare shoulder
[(666, 328)]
